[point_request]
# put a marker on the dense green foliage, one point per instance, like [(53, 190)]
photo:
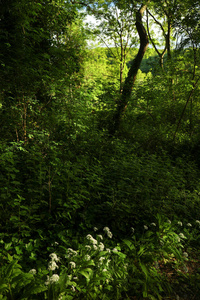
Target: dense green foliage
[(86, 214)]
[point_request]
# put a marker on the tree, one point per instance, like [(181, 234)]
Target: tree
[(163, 14), (130, 79), (116, 26), (40, 52), (188, 28)]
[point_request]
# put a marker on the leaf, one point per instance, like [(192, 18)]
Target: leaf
[(4, 287), (86, 273), (129, 244), (142, 250), (144, 269)]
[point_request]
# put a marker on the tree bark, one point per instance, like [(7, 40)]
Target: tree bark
[(130, 79)]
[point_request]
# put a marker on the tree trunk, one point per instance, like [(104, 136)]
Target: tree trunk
[(168, 39), (121, 64), (130, 79)]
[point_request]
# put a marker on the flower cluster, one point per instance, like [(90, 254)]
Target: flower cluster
[(33, 271), (52, 264), (54, 257), (54, 278), (100, 236), (182, 236), (72, 264), (108, 232), (88, 247), (92, 240), (71, 252), (87, 257), (101, 246)]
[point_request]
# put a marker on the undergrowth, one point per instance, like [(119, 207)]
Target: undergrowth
[(152, 263)]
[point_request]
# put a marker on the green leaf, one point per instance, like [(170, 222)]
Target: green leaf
[(129, 244), (87, 273), (144, 269)]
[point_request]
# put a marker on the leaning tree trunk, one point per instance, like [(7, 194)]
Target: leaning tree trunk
[(130, 79)]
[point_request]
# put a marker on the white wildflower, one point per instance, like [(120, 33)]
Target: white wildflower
[(145, 227), (180, 223), (33, 271), (115, 250), (198, 222), (52, 265), (108, 250), (73, 289), (108, 261), (101, 246), (169, 221), (91, 239), (153, 224), (88, 247), (75, 278), (185, 254), (100, 236), (182, 236), (189, 224), (54, 257), (95, 228), (104, 270), (132, 229), (94, 242), (52, 279), (101, 258), (95, 247), (177, 239), (108, 232), (72, 264), (71, 252), (87, 257)]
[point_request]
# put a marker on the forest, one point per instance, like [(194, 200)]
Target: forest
[(99, 149)]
